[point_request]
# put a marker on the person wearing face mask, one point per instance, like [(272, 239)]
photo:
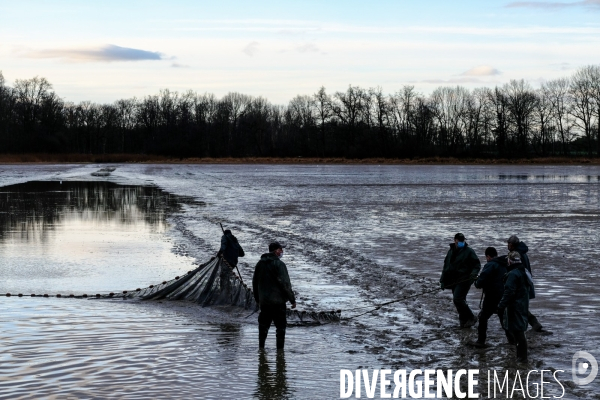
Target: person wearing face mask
[(272, 289), (461, 267)]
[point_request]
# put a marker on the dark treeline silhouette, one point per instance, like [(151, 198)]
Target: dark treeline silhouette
[(561, 118)]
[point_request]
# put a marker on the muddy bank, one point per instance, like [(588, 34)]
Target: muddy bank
[(149, 158)]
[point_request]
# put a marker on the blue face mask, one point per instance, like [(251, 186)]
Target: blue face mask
[(460, 245)]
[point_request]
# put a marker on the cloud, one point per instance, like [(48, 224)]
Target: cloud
[(251, 49), (106, 53), (449, 81), (308, 48), (482, 70), (554, 4), (177, 65)]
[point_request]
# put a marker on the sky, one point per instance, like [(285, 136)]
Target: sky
[(109, 50)]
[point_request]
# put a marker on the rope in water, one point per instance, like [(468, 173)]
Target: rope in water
[(378, 306)]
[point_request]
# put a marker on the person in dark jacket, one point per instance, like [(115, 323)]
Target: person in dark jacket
[(272, 289), (514, 244), (230, 248), (461, 267), (491, 281), (514, 304)]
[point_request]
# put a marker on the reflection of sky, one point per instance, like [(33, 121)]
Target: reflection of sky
[(86, 236)]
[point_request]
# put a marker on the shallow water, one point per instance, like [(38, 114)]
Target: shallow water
[(356, 235)]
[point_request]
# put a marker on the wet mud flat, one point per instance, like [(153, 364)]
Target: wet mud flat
[(361, 235)]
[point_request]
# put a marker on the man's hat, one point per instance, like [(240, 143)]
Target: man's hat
[(513, 240), (514, 257), (460, 237), (275, 245)]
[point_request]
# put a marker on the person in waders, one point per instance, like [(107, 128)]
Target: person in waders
[(230, 248), (461, 267), (272, 289), (491, 281), (514, 244), (514, 305)]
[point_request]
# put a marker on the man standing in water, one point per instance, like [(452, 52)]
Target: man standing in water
[(272, 289), (230, 248), (514, 244), (514, 305), (461, 267)]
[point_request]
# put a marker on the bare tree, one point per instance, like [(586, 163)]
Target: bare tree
[(584, 106), (557, 93), (521, 103), (324, 111), (450, 107)]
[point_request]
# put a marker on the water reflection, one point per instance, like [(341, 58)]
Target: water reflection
[(272, 384), (231, 335), (84, 236), (32, 209)]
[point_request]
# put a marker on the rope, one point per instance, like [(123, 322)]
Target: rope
[(378, 306)]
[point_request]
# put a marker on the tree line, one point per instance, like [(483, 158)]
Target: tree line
[(561, 118)]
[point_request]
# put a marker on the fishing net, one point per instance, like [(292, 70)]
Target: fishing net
[(215, 283)]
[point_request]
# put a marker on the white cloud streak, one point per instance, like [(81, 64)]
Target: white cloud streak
[(106, 53), (595, 4), (482, 70)]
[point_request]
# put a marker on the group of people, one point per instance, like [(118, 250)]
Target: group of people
[(507, 286), (506, 282)]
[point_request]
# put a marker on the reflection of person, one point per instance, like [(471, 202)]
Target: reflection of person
[(461, 267), (230, 248), (514, 244), (271, 386), (272, 289), (514, 304), (491, 281)]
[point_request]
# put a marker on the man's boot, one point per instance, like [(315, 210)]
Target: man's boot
[(263, 331), (280, 338), (533, 321)]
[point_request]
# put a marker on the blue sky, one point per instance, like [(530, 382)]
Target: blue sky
[(104, 51)]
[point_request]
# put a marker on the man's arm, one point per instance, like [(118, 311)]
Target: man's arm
[(510, 291), (284, 280), (484, 275), (255, 279), (444, 269), (223, 245), (475, 265)]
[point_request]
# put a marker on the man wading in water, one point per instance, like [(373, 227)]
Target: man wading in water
[(461, 267), (514, 305), (272, 289), (514, 244), (230, 248)]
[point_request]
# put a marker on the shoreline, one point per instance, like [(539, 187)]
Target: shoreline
[(44, 158)]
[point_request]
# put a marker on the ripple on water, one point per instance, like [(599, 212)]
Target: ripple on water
[(100, 349)]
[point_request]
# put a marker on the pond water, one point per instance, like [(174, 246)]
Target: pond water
[(356, 235)]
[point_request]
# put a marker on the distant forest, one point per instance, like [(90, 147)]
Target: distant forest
[(561, 118)]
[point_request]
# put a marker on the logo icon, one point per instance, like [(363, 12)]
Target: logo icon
[(583, 367)]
